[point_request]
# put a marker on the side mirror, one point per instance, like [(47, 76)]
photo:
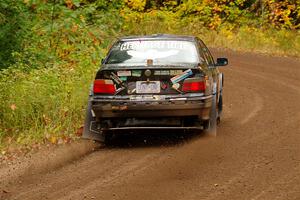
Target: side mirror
[(222, 62)]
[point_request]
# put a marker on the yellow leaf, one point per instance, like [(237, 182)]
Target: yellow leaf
[(19, 139), (13, 106), (53, 140), (82, 18)]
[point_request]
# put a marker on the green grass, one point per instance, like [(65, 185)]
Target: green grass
[(44, 103), (270, 41), (47, 104)]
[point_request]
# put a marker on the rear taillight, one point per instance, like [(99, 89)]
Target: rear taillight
[(104, 86), (194, 85)]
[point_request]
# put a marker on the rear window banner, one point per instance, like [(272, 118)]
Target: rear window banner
[(138, 45), (161, 52)]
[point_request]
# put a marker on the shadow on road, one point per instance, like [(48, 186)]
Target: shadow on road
[(154, 138)]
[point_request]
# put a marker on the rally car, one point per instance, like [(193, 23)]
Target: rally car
[(155, 82)]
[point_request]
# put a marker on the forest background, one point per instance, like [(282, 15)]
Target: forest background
[(51, 49)]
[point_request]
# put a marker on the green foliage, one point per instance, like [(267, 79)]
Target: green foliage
[(13, 29), (214, 13), (284, 13)]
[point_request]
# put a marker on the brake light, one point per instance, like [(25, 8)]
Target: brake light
[(104, 86), (193, 85)]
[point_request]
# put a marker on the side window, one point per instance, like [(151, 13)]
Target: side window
[(202, 56), (205, 52)]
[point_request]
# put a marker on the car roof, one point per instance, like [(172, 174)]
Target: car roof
[(159, 37)]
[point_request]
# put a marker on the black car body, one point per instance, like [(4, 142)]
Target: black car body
[(155, 82)]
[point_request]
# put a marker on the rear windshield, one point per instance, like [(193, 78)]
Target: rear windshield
[(161, 52)]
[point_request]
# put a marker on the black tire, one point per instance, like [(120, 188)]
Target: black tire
[(220, 108), (210, 128)]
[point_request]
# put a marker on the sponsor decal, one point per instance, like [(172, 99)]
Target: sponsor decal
[(175, 72), (123, 78), (157, 72), (165, 72), (108, 81), (136, 73), (119, 107), (124, 73), (161, 72)]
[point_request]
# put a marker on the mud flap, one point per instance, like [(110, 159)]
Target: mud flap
[(220, 96), (87, 133), (211, 129)]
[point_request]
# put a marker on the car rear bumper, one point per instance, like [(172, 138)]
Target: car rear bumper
[(151, 106)]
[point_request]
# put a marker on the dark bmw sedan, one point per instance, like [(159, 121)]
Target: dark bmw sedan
[(155, 82)]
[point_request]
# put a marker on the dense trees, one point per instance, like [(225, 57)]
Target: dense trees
[(14, 24), (278, 13), (19, 19)]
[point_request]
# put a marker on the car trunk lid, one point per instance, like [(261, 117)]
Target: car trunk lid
[(150, 81)]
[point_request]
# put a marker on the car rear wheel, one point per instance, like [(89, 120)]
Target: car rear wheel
[(107, 138), (210, 126)]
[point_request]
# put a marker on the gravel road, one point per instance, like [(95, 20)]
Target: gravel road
[(256, 154)]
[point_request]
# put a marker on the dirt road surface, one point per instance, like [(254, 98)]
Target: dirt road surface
[(256, 154)]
